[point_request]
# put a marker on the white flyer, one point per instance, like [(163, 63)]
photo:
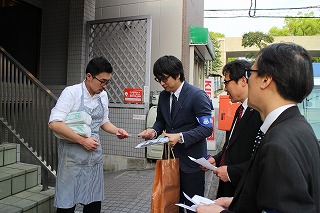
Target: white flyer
[(196, 200), (203, 162), (152, 142)]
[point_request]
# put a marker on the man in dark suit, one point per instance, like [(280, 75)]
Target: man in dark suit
[(237, 149), (284, 175), (186, 121)]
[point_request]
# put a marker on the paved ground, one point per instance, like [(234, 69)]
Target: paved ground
[(130, 191)]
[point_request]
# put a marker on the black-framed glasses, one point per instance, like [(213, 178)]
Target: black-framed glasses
[(103, 82), (163, 78), (226, 82), (247, 72)]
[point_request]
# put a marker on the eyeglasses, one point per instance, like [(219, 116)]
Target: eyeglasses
[(103, 82), (163, 78), (226, 82), (247, 72)]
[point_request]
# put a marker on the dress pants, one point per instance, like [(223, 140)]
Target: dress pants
[(191, 184)]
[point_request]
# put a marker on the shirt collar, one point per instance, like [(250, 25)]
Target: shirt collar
[(273, 116), (178, 91), (245, 104)]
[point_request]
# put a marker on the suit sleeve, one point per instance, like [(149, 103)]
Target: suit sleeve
[(201, 107), (235, 172)]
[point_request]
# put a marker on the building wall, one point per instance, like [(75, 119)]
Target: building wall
[(193, 16), (166, 18), (231, 47)]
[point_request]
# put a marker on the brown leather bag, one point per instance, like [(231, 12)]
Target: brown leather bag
[(166, 186)]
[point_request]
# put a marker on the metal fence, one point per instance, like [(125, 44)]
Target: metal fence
[(126, 43), (25, 109)]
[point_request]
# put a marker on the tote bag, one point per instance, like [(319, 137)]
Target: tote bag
[(166, 186)]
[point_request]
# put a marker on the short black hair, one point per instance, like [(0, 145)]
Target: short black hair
[(169, 65), (236, 69), (98, 65), (290, 66)]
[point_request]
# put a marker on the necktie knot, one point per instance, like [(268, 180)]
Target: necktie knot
[(239, 110)]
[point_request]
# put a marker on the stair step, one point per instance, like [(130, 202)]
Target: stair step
[(17, 177), (31, 200), (20, 189), (8, 154)]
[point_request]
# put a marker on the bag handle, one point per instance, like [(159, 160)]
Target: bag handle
[(170, 149)]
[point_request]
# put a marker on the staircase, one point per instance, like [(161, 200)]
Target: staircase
[(20, 189)]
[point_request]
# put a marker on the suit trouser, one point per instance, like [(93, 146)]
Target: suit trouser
[(94, 207), (191, 184)]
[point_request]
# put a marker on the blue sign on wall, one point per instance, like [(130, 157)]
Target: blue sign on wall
[(316, 69)]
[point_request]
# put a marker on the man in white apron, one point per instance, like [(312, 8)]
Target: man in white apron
[(80, 167)]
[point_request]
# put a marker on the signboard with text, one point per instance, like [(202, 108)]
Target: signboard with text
[(133, 95), (208, 87)]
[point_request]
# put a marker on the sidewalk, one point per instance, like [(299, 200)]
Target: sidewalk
[(130, 191), (127, 191)]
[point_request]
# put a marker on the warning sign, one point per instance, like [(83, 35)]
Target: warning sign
[(133, 95)]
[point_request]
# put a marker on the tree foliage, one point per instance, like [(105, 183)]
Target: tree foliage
[(258, 39), (298, 26), (215, 65)]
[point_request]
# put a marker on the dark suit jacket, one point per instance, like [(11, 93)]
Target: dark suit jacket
[(239, 150), (285, 172), (192, 103)]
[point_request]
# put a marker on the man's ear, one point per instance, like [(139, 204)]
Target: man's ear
[(244, 81), (266, 81), (89, 77)]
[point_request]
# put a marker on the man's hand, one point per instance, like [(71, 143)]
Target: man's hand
[(219, 204), (223, 201), (210, 160), (121, 134), (222, 173), (148, 134), (90, 144), (173, 138), (211, 208)]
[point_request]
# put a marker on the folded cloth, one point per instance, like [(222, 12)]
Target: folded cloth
[(81, 129), (79, 122), (80, 117)]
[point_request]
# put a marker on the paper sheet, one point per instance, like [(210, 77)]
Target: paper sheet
[(196, 200), (202, 161), (152, 142)]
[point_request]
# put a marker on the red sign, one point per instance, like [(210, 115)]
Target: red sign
[(133, 95), (208, 87)]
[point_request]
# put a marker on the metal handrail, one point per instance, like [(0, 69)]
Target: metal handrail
[(25, 109)]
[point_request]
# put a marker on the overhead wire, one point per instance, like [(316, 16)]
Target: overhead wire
[(252, 12)]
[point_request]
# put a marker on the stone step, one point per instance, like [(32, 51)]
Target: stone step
[(17, 177), (32, 200), (8, 154)]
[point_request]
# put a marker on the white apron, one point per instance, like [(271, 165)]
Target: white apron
[(80, 172)]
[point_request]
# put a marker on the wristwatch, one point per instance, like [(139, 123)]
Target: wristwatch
[(181, 138)]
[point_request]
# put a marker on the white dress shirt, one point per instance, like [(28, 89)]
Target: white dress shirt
[(70, 99)]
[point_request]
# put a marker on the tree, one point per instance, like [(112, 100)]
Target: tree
[(274, 31), (216, 64), (258, 39), (298, 26)]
